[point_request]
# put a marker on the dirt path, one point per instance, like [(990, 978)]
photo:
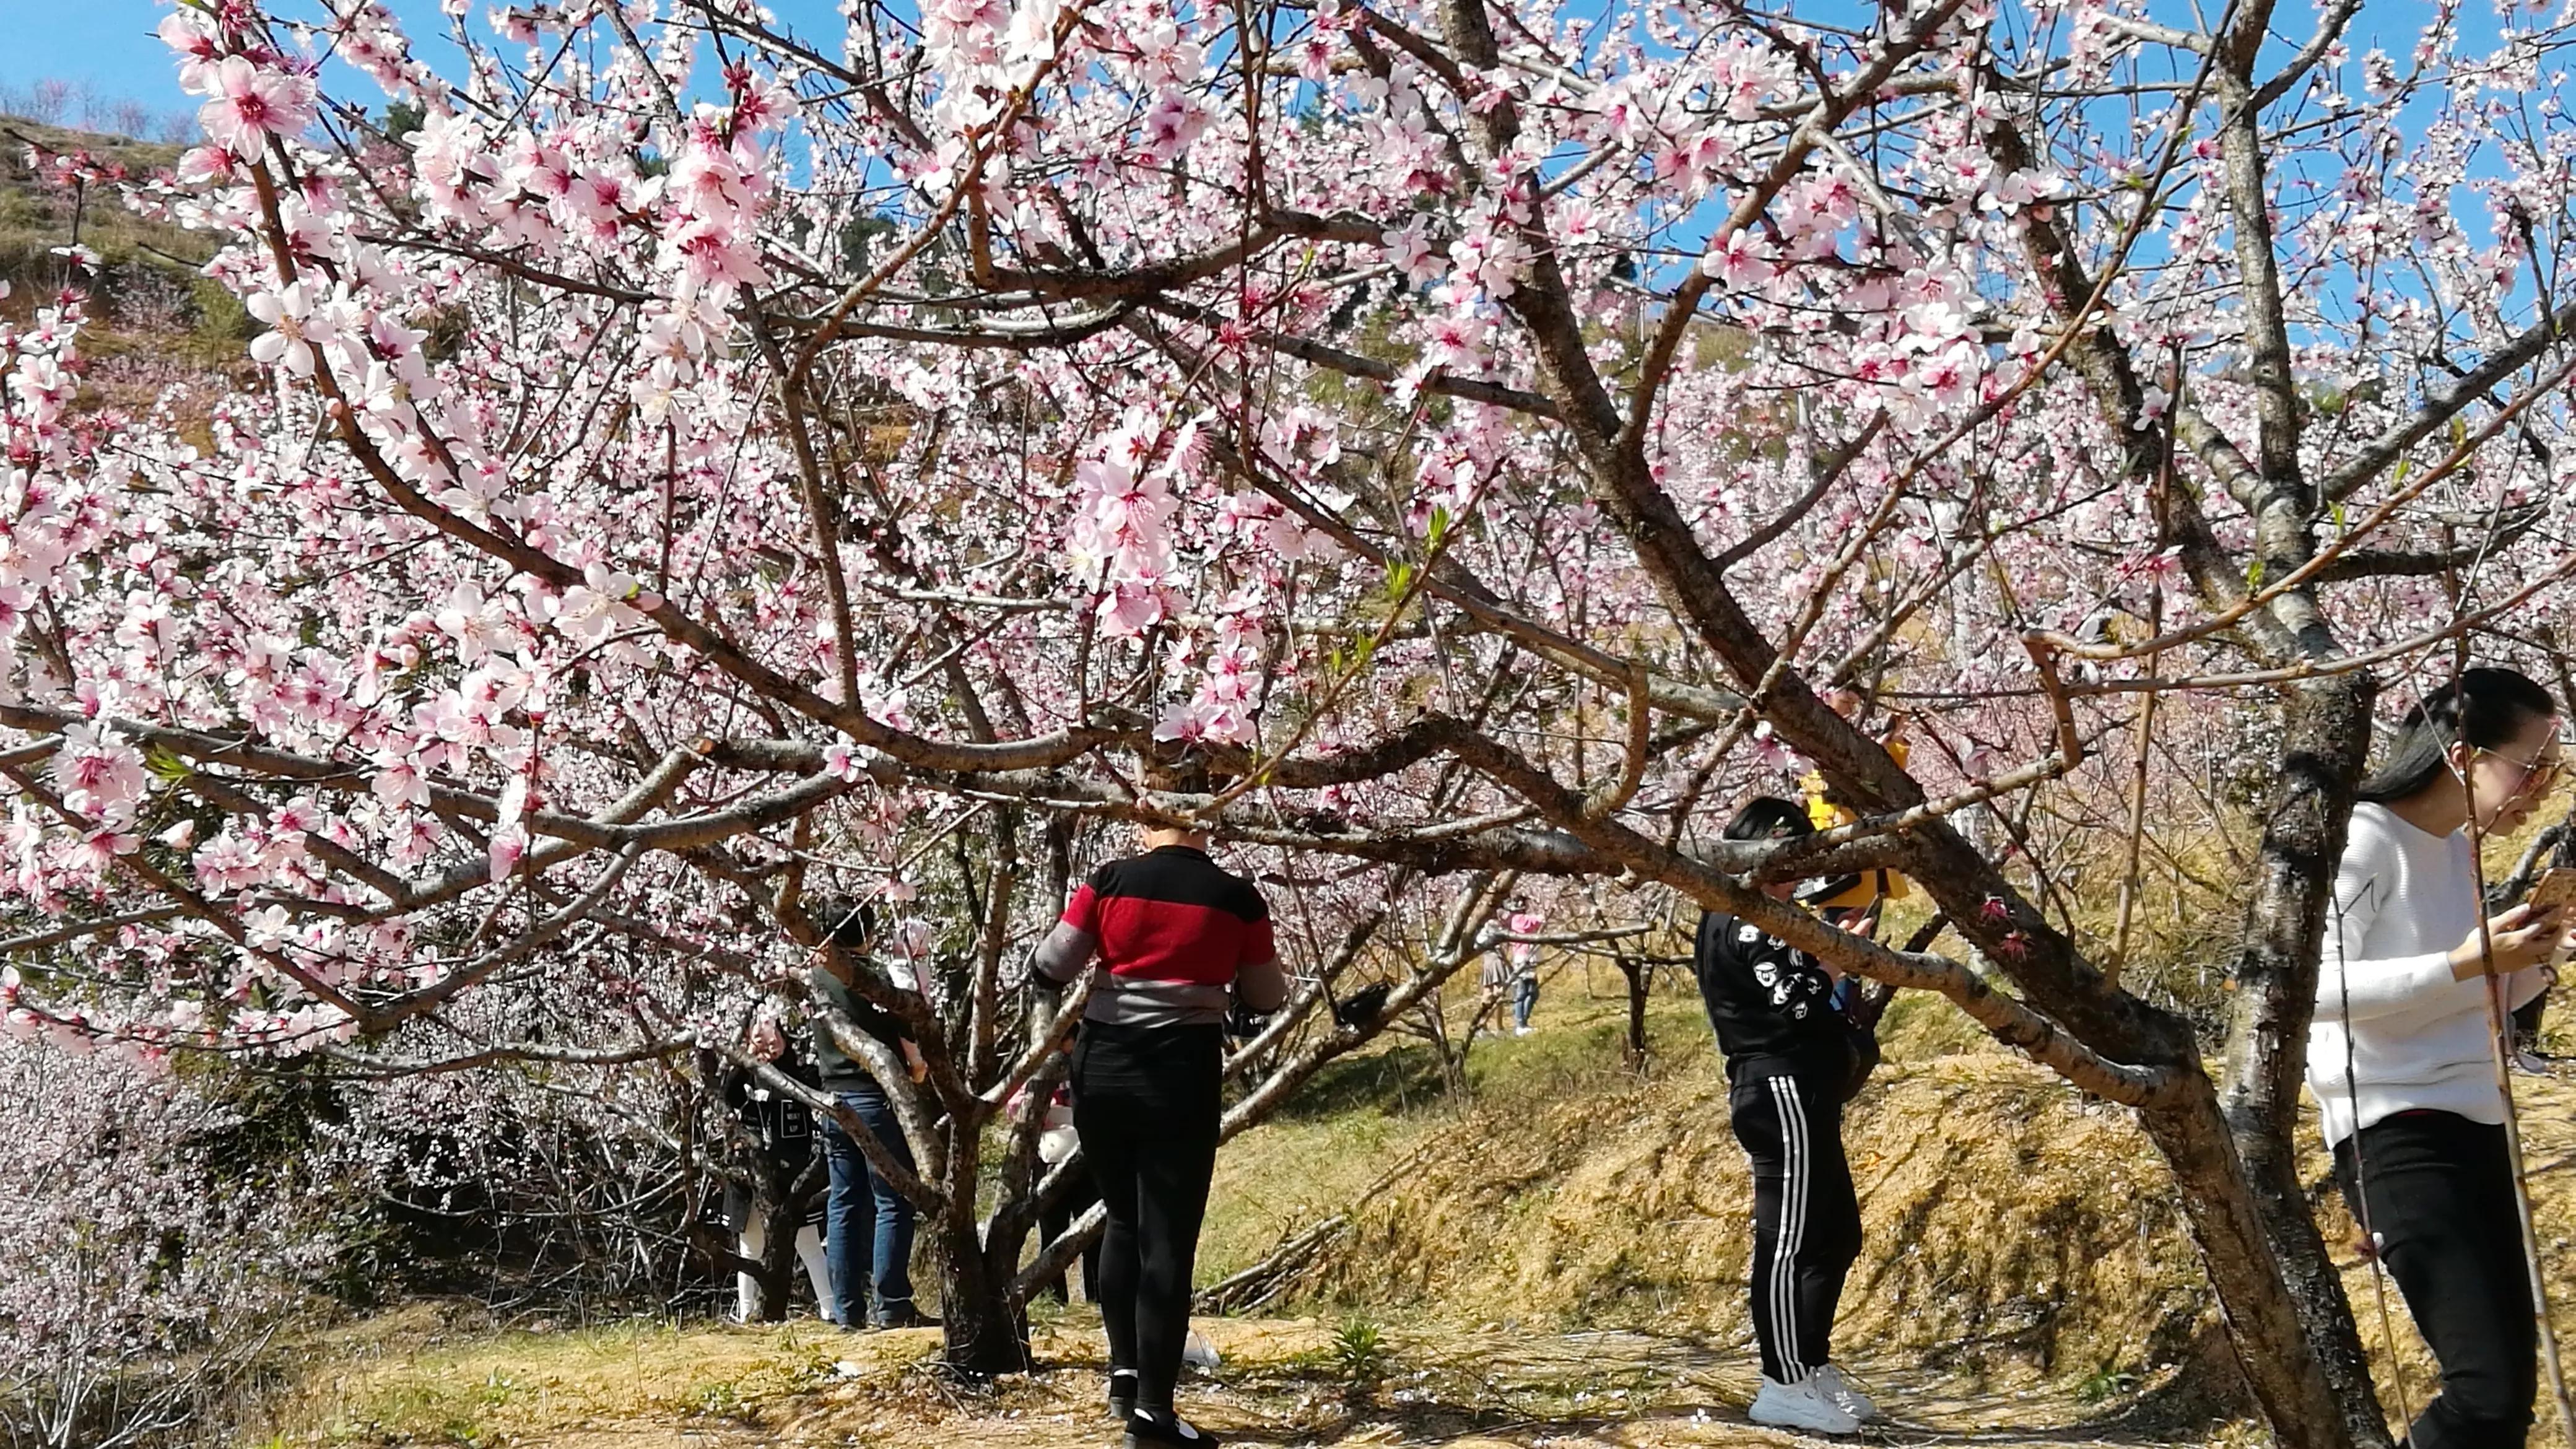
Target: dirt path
[(1283, 1384)]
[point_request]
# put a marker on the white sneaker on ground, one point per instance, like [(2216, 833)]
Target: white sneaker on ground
[(1837, 1387), (1800, 1406), (1521, 1031)]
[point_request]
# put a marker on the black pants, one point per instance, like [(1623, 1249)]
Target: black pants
[(1145, 1102), (1055, 1217), (2526, 1021), (1806, 1219), (2440, 1198)]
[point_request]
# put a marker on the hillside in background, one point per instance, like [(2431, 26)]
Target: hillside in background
[(38, 214), (156, 319)]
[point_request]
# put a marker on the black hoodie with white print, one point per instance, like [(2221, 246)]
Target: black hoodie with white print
[(1771, 1003)]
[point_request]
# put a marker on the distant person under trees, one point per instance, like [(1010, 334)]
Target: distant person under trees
[(1792, 1058), (783, 1139), (2401, 1051), (1523, 956), (867, 1224), (1495, 988), (1058, 1141), (1179, 940)]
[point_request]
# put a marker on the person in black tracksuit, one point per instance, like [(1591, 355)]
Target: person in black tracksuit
[(1789, 1064)]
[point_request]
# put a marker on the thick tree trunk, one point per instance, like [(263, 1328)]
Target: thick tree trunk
[(2265, 1321), (770, 1290), (2326, 734), (2325, 740), (984, 1330)]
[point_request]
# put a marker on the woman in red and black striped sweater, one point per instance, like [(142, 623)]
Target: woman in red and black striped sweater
[(1178, 940)]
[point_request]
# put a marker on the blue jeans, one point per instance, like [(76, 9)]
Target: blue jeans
[(1524, 1000), (867, 1225)]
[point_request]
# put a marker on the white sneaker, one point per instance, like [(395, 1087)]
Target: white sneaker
[(1837, 1386), (1800, 1406), (1521, 1030)]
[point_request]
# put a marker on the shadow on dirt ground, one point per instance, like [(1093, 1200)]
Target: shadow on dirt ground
[(1288, 1383)]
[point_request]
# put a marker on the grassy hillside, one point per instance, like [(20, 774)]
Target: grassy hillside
[(37, 215), (2016, 1236), (155, 320), (2019, 1239), (1556, 1258)]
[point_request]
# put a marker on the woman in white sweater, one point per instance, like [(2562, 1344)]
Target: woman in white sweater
[(2401, 1056)]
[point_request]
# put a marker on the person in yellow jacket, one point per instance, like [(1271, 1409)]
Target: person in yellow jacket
[(1826, 812)]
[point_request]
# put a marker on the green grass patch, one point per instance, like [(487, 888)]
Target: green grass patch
[(477, 1389)]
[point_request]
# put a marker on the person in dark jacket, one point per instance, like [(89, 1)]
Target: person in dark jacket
[(867, 1225), (783, 1136), (1789, 1062), (1179, 940)]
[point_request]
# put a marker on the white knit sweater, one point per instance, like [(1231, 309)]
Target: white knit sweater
[(2387, 1003)]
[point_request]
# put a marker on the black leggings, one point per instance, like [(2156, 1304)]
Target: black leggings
[(1055, 1218), (1806, 1219), (2441, 1203), (1145, 1103)]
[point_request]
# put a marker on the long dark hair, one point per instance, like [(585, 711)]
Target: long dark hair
[(1768, 817), (2483, 709), (847, 922)]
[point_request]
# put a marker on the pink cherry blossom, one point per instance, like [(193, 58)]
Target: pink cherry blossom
[(1740, 261), (252, 104), (194, 35), (99, 774), (295, 326)]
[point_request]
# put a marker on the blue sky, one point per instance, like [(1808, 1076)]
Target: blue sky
[(107, 43), (109, 46)]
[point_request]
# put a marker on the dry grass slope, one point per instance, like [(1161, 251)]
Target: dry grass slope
[(34, 218), (1558, 1261), (155, 321), (2020, 1239)]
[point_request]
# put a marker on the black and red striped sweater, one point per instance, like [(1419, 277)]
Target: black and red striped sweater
[(1172, 929)]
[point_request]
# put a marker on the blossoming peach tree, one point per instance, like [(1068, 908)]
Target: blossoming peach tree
[(147, 1272), (706, 458)]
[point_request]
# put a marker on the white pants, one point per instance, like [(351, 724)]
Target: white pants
[(809, 1248)]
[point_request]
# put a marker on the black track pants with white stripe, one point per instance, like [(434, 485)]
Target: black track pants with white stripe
[(1806, 1220)]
